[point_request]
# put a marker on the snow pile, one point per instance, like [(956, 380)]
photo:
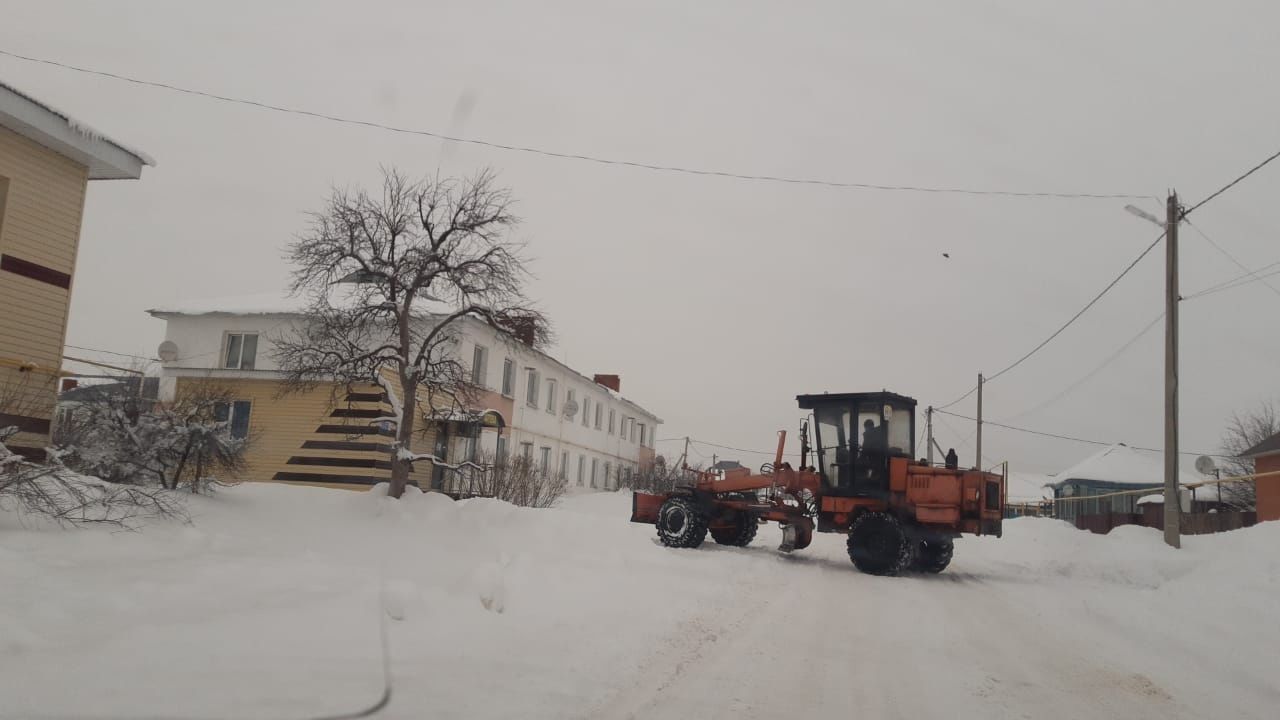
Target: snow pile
[(269, 605)]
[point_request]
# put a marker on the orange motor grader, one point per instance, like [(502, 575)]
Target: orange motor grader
[(900, 514)]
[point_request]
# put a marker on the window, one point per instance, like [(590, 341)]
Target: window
[(544, 460), (582, 464), (633, 429), (622, 428), (526, 451), (611, 414), (606, 476), (236, 415), (470, 448), (642, 433), (242, 351), (599, 414), (595, 466), (586, 412), (508, 377), (531, 388), (564, 465), (500, 450), (551, 396), (480, 366)]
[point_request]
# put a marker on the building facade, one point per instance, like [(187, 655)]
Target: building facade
[(529, 405), (1266, 460), (46, 162)]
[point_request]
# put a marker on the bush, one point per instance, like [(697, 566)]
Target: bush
[(53, 491), (127, 440), (515, 480)]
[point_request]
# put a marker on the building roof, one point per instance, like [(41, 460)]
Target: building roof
[(41, 123), (1270, 446), (127, 387), (725, 465), (1120, 464)]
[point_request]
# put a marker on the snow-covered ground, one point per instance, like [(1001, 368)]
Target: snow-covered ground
[(268, 606)]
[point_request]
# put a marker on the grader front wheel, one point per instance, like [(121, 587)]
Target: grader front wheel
[(680, 524), (879, 545)]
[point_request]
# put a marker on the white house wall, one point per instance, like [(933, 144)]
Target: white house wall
[(201, 342)]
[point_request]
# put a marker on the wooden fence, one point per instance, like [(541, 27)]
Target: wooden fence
[(1152, 516)]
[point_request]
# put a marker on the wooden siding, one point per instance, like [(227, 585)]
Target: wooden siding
[(41, 210), (303, 438)]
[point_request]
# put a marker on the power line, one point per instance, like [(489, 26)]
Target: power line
[(1230, 185), (1231, 257), (1066, 437), (1233, 284), (109, 352), (1110, 359), (579, 156), (1065, 325)]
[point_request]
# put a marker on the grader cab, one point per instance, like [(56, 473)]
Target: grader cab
[(899, 513)]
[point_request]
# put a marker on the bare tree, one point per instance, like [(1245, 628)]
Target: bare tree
[(413, 261), (1243, 431)]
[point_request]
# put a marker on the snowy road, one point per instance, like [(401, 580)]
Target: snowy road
[(812, 634), (267, 607)]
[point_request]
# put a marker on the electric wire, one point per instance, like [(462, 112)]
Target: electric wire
[(1068, 437), (1064, 326), (1231, 257), (1229, 185), (578, 156)]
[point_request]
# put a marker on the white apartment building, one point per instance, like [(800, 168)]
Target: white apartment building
[(560, 419)]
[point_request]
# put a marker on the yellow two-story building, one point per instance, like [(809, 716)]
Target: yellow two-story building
[(46, 162)]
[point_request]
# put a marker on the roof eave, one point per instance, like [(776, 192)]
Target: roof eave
[(105, 159)]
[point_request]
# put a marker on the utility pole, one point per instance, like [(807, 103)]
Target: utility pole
[(1172, 502), (928, 423), (977, 462)]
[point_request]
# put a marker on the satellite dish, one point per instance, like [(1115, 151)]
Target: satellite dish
[(168, 351), (1205, 465), (570, 408)]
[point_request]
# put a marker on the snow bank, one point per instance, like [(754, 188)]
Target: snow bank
[(268, 605)]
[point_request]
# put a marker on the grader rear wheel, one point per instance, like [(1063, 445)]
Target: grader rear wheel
[(740, 535), (878, 544), (932, 553), (680, 524)]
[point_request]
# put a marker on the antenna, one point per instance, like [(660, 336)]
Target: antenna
[(1205, 465)]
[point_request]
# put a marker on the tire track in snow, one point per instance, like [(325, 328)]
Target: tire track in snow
[(682, 650)]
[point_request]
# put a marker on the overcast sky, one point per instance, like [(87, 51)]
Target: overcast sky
[(719, 300)]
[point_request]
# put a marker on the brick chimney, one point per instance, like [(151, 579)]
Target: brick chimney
[(69, 384), (613, 382)]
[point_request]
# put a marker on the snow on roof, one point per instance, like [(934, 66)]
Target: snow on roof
[(1121, 465), (270, 303), (256, 304), (107, 159)]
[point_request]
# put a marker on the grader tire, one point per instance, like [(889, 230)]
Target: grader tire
[(932, 554), (740, 535), (878, 544), (680, 524)]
